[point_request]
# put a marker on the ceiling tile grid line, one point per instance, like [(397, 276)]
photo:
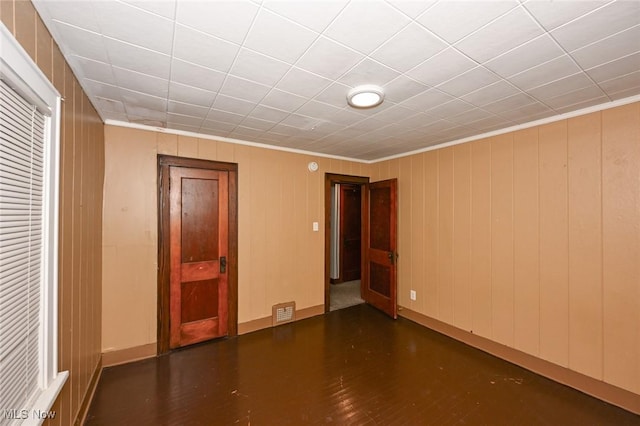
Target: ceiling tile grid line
[(279, 71)]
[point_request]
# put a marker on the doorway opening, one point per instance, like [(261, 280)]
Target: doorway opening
[(344, 207)]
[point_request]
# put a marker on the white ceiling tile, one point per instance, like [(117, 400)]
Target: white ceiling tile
[(611, 48), (217, 126), (470, 116), (243, 89), (545, 73), (123, 22), (141, 82), (314, 14), (79, 42), (133, 99), (403, 88), (441, 67), (189, 94), (584, 104), (408, 48), (491, 93), (300, 121), (368, 72), (190, 123), (450, 108), (146, 116), (318, 109), (537, 51), (615, 68), (523, 113), (360, 25), (187, 109), (259, 68), (468, 82), (166, 8), (267, 113), (552, 14), (346, 116), (420, 120), (256, 123), (509, 103), (234, 105), (229, 20), (489, 123), (412, 8), (196, 76), (606, 21), (622, 83), (283, 101), (303, 83), (284, 130), (631, 91), (577, 96), (335, 94), (329, 59), (490, 41), (136, 58), (562, 86), (203, 49), (78, 13), (427, 100), (93, 70), (393, 114), (97, 88), (453, 20), (109, 105), (280, 38), (224, 116)]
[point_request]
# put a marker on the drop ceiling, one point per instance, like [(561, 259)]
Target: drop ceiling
[(278, 72)]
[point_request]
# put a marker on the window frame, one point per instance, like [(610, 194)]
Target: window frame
[(20, 71)]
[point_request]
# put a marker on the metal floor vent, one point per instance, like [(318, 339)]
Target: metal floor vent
[(283, 313)]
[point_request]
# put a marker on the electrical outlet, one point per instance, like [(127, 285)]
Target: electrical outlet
[(412, 295)]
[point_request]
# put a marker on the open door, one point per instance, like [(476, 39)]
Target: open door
[(379, 282)]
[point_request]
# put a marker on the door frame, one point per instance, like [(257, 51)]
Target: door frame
[(329, 179), (164, 261)]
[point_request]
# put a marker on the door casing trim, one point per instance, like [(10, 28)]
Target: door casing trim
[(164, 163)]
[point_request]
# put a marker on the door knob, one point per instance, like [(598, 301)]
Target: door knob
[(223, 264)]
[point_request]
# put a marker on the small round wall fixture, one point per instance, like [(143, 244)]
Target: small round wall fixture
[(313, 166), (365, 96)]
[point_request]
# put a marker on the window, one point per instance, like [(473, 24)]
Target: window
[(29, 139)]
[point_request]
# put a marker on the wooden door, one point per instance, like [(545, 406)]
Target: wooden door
[(350, 233), (199, 249), (379, 283)]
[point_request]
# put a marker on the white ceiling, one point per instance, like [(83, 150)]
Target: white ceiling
[(277, 72)]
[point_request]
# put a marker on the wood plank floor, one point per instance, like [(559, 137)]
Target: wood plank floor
[(352, 366)]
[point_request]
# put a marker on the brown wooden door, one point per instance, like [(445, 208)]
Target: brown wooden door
[(350, 232), (199, 243), (379, 284)]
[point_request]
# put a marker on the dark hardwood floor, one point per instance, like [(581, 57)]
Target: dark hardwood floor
[(352, 366)]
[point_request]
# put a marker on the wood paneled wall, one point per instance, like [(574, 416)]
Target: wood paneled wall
[(81, 181), (531, 239), (280, 257)]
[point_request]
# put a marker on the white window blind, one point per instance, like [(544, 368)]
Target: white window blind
[(29, 139), (22, 129)]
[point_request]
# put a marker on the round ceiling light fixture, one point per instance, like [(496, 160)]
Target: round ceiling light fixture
[(366, 96)]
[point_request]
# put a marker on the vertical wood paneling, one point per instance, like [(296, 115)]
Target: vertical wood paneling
[(187, 147), (502, 238), (44, 53), (24, 15), (417, 237), (526, 277), (445, 235), (430, 288), (405, 259), (167, 143), (6, 14), (585, 244), (207, 149), (481, 237), (621, 245), (554, 290), (462, 236)]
